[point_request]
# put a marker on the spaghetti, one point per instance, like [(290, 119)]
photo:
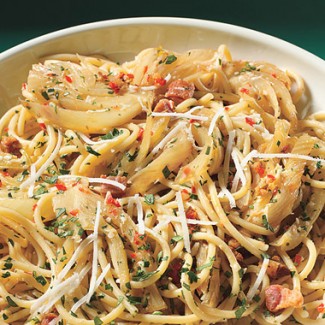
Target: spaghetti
[(177, 188)]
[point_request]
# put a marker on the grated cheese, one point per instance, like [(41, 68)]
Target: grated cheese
[(141, 227), (51, 296), (95, 254), (183, 220), (180, 115), (253, 289), (168, 137), (214, 119), (224, 191), (96, 180), (239, 172), (31, 180), (255, 154)]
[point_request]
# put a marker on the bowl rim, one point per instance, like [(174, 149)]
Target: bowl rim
[(252, 34)]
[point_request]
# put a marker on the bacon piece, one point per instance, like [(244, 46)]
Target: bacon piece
[(10, 145), (278, 297), (234, 245), (164, 105), (115, 191), (175, 271), (48, 318), (179, 90), (276, 269)]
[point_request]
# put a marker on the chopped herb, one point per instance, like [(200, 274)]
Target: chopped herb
[(40, 279), (112, 134), (278, 143), (204, 266), (207, 152), (228, 274), (187, 286), (109, 287), (60, 212), (240, 311), (51, 180), (6, 274), (142, 275), (266, 224), (176, 239), (192, 276), (149, 199), (97, 321), (319, 165), (292, 273), (92, 151), (316, 146), (166, 172), (170, 59), (11, 303), (45, 95), (134, 300), (5, 317)]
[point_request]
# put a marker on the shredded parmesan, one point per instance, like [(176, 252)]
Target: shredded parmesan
[(96, 180), (31, 180), (255, 154), (183, 220), (95, 254), (239, 172), (224, 191), (168, 137), (48, 299), (253, 289), (214, 119), (141, 227), (180, 115)]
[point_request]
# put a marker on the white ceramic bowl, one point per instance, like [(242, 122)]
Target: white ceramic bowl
[(121, 39)]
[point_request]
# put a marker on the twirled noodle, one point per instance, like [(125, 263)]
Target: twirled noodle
[(177, 188)]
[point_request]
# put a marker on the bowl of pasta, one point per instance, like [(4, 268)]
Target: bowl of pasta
[(161, 171)]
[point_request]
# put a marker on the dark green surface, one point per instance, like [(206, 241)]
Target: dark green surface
[(299, 22)]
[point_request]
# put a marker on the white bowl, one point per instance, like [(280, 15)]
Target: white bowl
[(121, 39)]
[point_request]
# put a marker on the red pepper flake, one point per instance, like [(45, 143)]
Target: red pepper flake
[(160, 81), (140, 134), (24, 86), (273, 75), (42, 126), (34, 207), (226, 108), (297, 260), (193, 120), (74, 212), (185, 195), (275, 192), (114, 87), (5, 174), (133, 255), (187, 170), (145, 69), (244, 90), (6, 129), (271, 177), (285, 149), (193, 189), (321, 308), (68, 79), (111, 200), (249, 121), (61, 187), (260, 170), (138, 239)]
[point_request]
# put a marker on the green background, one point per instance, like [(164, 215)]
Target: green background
[(299, 22)]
